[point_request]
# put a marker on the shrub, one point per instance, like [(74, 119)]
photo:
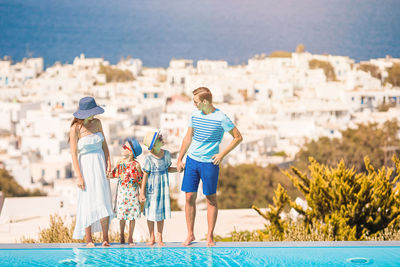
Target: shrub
[(342, 204), (371, 69), (296, 231), (174, 205), (280, 53), (247, 184), (326, 66), (394, 75), (116, 75), (365, 140), (59, 232), (11, 188)]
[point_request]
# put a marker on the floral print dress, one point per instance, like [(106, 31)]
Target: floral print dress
[(128, 205)]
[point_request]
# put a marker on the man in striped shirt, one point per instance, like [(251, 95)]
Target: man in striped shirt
[(207, 126)]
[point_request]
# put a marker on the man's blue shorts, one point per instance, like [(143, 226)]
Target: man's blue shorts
[(196, 170)]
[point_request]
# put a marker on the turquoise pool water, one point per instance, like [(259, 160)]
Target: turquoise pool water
[(217, 256)]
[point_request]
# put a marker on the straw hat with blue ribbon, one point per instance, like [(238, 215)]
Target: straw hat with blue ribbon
[(150, 138)]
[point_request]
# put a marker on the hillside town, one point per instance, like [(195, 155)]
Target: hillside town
[(278, 103)]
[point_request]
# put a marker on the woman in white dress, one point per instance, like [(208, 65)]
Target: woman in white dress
[(91, 160)]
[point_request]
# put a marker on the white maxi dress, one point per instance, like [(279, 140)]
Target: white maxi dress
[(94, 203)]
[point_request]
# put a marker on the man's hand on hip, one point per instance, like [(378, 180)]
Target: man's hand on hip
[(217, 158)]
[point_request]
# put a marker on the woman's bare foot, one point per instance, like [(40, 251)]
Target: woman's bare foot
[(90, 245), (131, 244), (189, 240), (130, 241), (122, 238), (105, 244)]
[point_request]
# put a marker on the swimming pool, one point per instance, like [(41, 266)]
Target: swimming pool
[(233, 254)]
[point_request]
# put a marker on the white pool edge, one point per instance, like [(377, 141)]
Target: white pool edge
[(218, 244)]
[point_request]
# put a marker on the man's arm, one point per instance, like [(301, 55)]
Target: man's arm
[(187, 140), (237, 138)]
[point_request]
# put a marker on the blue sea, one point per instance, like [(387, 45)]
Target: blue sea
[(234, 30)]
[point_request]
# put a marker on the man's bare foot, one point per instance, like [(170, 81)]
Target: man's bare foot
[(90, 245), (210, 243), (122, 238), (105, 244), (189, 240)]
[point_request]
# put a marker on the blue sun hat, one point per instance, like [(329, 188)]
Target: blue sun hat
[(150, 138), (135, 146), (87, 108)]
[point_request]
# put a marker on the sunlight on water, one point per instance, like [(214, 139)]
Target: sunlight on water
[(267, 256)]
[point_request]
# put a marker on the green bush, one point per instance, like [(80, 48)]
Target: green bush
[(365, 140), (372, 69), (243, 185), (326, 66), (297, 231), (342, 204), (394, 75), (116, 75), (174, 205), (59, 232), (11, 188), (280, 53)]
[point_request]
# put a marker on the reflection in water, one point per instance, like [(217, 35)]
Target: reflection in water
[(157, 257), (216, 256)]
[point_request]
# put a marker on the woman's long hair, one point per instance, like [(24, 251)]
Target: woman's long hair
[(78, 121)]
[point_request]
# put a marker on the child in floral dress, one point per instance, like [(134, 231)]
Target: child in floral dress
[(130, 177), (155, 187)]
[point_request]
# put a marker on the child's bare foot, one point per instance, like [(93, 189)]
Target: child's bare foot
[(160, 241), (105, 244), (210, 242), (90, 245), (150, 243), (189, 240)]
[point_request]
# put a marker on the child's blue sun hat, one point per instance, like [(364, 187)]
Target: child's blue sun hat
[(135, 146)]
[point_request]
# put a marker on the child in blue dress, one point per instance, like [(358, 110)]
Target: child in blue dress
[(155, 185)]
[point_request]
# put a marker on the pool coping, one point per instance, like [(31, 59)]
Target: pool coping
[(218, 245)]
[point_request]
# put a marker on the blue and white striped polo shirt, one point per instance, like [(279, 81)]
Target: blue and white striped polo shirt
[(208, 132)]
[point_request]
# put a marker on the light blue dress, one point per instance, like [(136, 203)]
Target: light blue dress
[(94, 203), (158, 205)]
